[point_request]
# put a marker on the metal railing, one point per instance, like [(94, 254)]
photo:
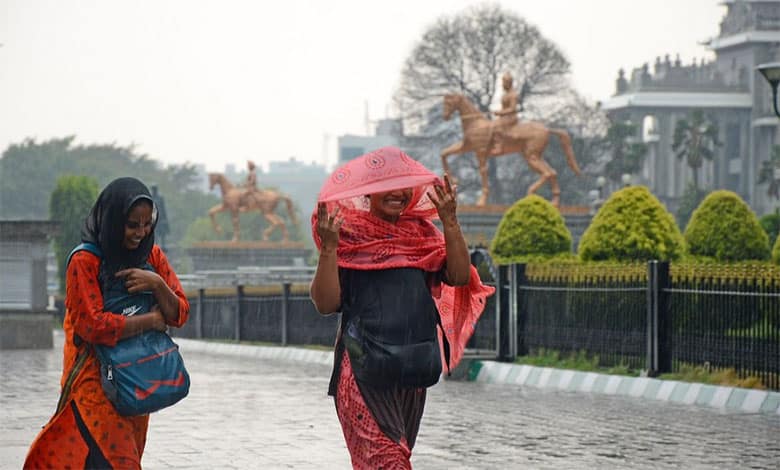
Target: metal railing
[(652, 321)]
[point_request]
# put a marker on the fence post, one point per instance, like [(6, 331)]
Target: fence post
[(199, 307), (502, 313), (651, 358), (239, 312), (664, 324), (659, 357), (285, 310), (519, 313), (511, 324)]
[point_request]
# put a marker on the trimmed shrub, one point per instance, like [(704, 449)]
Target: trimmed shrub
[(531, 230), (776, 251), (632, 225), (723, 227)]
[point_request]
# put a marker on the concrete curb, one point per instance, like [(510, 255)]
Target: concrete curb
[(726, 398), (248, 350), (714, 396)]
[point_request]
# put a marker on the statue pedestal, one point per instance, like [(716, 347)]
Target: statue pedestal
[(219, 255), (479, 223)]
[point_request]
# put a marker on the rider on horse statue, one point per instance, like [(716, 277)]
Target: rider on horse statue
[(507, 115)]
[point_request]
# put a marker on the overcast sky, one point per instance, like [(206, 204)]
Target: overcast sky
[(219, 82)]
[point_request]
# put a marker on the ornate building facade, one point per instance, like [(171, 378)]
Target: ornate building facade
[(729, 91)]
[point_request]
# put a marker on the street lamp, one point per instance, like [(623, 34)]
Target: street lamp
[(771, 71), (626, 179)]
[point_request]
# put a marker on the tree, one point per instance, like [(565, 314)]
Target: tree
[(771, 224), (29, 170), (694, 141), (690, 200), (770, 172), (625, 151), (467, 53), (69, 204)]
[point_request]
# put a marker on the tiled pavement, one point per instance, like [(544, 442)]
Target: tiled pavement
[(250, 411)]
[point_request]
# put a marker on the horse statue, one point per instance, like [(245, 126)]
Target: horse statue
[(528, 138), (244, 199)]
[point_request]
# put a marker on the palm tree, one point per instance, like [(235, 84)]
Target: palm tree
[(770, 173), (695, 140)]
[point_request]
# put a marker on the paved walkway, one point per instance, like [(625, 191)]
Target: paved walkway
[(249, 412)]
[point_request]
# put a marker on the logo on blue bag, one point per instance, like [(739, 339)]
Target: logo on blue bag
[(132, 310)]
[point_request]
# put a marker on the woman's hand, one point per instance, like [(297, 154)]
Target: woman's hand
[(137, 324), (328, 226), (139, 280), (446, 202), (158, 320)]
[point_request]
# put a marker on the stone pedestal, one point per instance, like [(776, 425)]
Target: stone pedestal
[(216, 256), (25, 320), (479, 223)]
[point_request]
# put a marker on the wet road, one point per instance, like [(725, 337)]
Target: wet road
[(252, 413)]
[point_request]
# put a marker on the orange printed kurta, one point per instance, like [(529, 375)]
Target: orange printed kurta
[(120, 438)]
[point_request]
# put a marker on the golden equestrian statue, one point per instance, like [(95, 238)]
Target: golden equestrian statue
[(245, 199), (488, 139)]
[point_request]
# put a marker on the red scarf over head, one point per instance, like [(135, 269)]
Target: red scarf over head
[(368, 242)]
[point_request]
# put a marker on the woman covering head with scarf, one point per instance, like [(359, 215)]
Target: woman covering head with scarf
[(398, 282), (87, 431)]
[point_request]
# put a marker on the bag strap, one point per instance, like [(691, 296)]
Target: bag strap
[(91, 247), (78, 364), (81, 357), (445, 343)]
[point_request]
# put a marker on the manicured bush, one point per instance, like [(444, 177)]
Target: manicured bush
[(531, 230), (632, 225), (776, 251), (723, 227)]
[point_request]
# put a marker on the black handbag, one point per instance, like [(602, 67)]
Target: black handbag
[(383, 364)]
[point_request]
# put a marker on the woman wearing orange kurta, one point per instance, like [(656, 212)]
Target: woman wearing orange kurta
[(87, 431)]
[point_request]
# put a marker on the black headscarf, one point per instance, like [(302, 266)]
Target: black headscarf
[(105, 226)]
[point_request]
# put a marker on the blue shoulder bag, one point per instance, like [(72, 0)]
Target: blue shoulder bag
[(143, 373)]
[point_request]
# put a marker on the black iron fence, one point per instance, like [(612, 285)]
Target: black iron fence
[(655, 317), (281, 314), (255, 305)]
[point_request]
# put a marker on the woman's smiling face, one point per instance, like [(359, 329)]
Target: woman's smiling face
[(389, 205), (138, 224)]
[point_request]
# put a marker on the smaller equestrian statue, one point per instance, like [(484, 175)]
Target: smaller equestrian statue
[(493, 138), (248, 198)]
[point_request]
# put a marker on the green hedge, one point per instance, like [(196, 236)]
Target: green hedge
[(632, 225), (776, 251), (724, 228), (531, 230)]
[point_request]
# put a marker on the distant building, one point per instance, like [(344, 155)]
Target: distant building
[(201, 180), (730, 92), (389, 132), (301, 181)]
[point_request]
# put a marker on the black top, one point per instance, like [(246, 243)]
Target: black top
[(392, 304)]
